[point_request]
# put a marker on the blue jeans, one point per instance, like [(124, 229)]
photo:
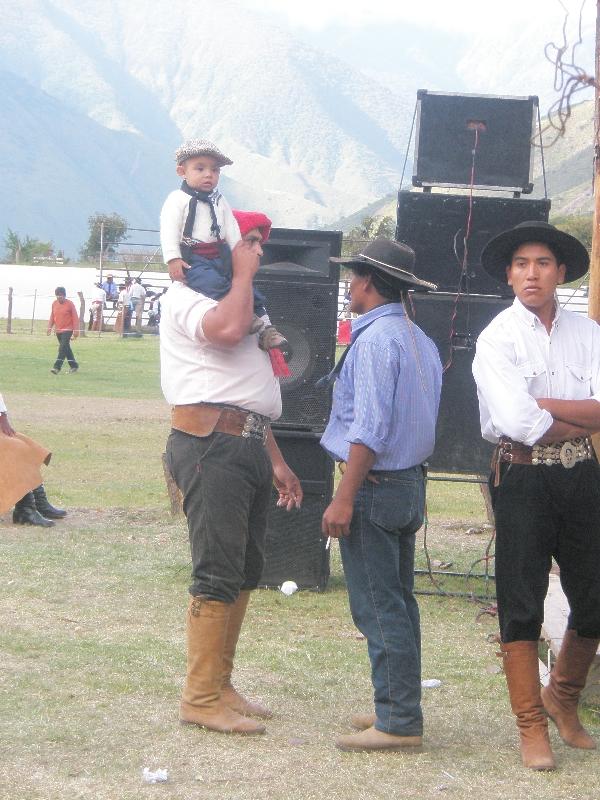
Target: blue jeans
[(212, 277), (378, 560)]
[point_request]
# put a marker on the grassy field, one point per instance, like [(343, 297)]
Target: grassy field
[(92, 621)]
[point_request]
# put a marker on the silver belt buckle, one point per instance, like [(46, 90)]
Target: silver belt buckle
[(568, 455), (255, 426)]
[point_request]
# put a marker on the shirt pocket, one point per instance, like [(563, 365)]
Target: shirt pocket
[(579, 381), (398, 506), (534, 373)]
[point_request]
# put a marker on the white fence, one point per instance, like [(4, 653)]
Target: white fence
[(33, 288)]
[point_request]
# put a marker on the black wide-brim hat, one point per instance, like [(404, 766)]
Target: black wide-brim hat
[(392, 259), (497, 254)]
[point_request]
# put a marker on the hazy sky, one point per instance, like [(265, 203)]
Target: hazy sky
[(450, 15)]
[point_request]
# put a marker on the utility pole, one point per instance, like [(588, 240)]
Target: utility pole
[(594, 285), (102, 241)]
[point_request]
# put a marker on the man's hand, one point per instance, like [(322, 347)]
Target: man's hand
[(337, 518), (5, 426), (49, 331), (288, 486), (75, 334), (176, 269), (245, 258)]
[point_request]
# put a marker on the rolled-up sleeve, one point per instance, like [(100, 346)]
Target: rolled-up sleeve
[(375, 379)]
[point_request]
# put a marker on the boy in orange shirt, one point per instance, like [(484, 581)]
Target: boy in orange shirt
[(64, 320)]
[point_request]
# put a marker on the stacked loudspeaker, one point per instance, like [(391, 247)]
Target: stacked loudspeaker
[(301, 290), (470, 142)]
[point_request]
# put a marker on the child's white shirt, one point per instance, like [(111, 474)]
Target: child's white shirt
[(174, 214)]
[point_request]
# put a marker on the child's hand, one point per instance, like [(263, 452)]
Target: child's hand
[(176, 269)]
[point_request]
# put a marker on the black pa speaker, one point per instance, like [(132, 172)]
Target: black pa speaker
[(301, 301), (434, 225), (295, 549), (447, 127), (304, 248), (454, 325)]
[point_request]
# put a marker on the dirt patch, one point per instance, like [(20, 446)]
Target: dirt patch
[(115, 411)]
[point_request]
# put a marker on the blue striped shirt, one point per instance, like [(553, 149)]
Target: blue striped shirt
[(387, 394)]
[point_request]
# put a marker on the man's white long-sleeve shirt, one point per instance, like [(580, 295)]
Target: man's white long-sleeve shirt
[(518, 361), (174, 214)]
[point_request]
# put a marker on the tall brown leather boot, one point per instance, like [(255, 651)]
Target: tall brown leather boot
[(567, 679), (522, 678), (229, 694), (201, 702)]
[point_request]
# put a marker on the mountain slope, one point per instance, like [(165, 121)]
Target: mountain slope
[(311, 138)]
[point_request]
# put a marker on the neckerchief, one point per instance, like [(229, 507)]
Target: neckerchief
[(204, 197)]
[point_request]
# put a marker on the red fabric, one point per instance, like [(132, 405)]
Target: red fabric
[(280, 368), (206, 249), (344, 331), (248, 220)]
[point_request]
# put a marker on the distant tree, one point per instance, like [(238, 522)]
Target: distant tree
[(369, 228), (580, 226), (23, 251), (115, 231)]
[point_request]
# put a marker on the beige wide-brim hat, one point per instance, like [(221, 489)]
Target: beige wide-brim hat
[(20, 462), (394, 259), (497, 254)]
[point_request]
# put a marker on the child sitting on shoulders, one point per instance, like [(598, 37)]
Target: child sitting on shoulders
[(198, 230)]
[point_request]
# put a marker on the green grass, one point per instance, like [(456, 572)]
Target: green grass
[(92, 631), (110, 366)]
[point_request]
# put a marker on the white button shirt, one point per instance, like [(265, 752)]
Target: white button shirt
[(2, 405), (517, 361), (194, 370)]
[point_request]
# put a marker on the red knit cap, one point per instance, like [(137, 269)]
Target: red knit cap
[(248, 220)]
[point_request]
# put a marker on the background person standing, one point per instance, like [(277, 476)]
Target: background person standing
[(64, 320)]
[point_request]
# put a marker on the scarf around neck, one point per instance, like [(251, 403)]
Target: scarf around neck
[(196, 196)]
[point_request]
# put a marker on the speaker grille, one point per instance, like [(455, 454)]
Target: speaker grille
[(306, 314), (434, 226), (295, 549), (459, 446), (445, 140)]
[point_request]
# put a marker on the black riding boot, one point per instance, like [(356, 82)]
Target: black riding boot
[(25, 513), (44, 506)]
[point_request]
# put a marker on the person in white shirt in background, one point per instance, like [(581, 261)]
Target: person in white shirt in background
[(125, 307), (97, 308), (537, 369), (137, 294)]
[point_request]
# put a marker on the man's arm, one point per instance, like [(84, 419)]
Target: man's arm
[(286, 482), (338, 514), (5, 426), (229, 321), (50, 323), (582, 415)]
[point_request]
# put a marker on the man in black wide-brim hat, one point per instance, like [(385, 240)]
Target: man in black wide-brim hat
[(537, 369), (382, 429)]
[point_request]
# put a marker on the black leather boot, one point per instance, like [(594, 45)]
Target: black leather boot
[(44, 506), (25, 513)]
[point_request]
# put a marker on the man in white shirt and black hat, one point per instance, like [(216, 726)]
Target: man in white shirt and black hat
[(537, 369)]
